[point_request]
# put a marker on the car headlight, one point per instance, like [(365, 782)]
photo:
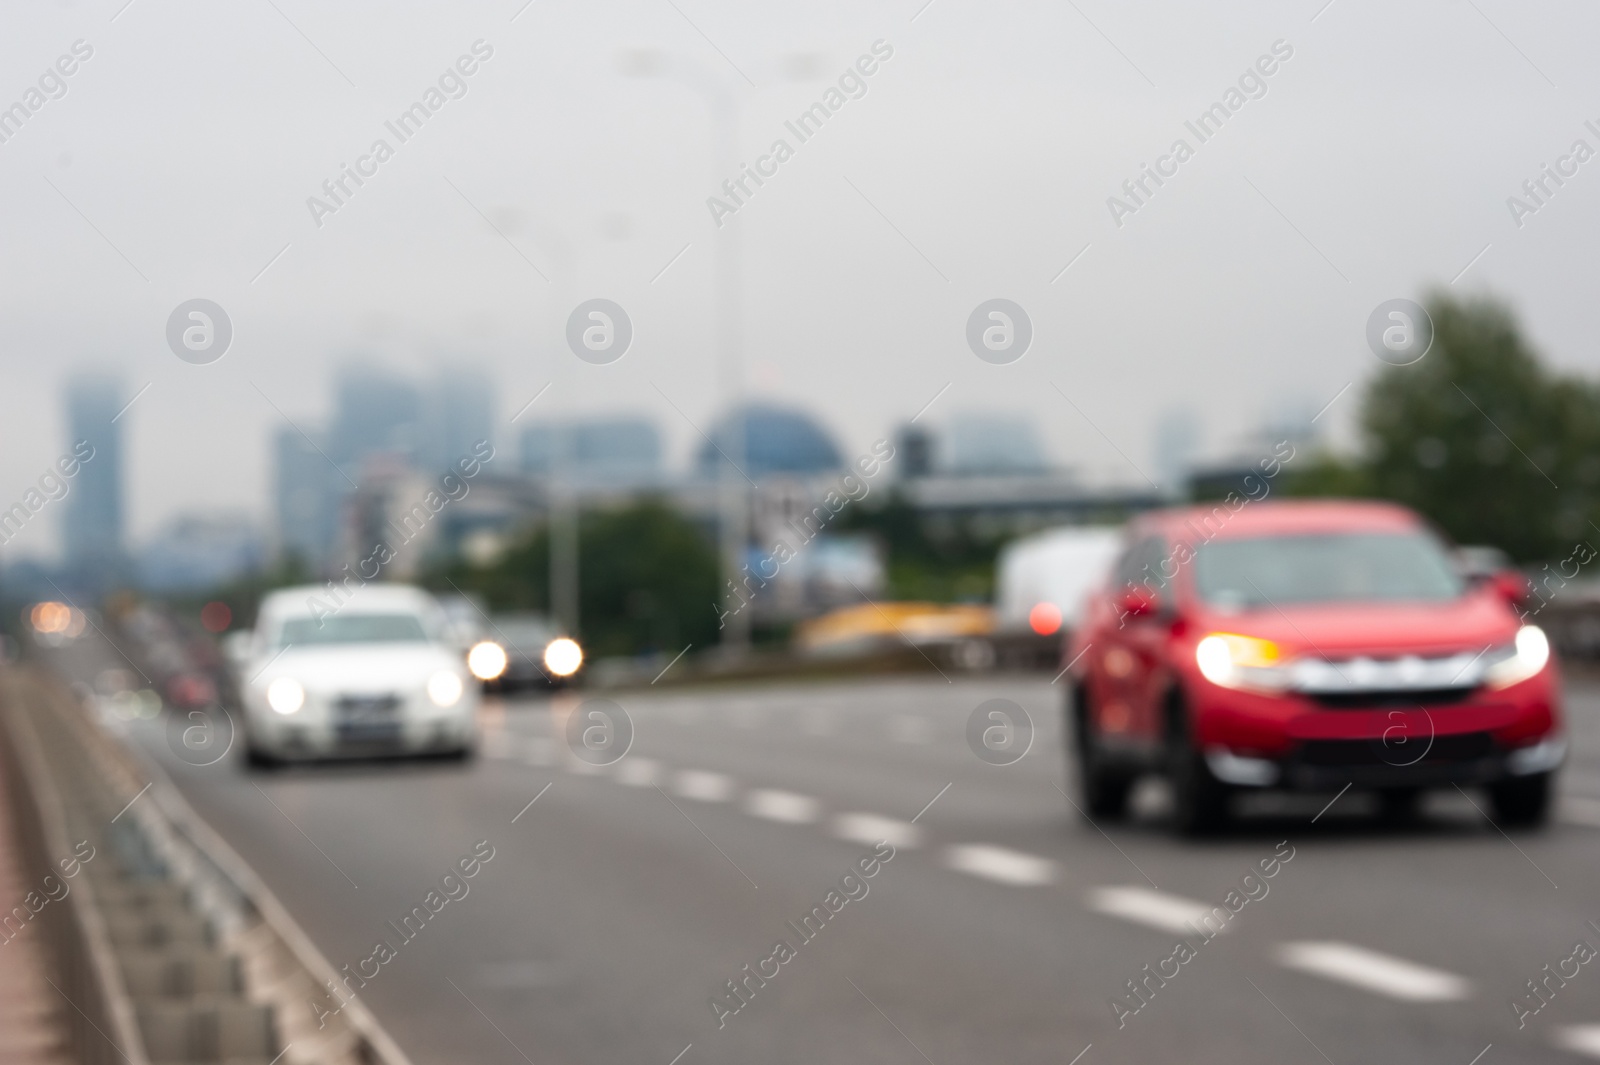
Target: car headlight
[(1522, 659), (444, 688), (487, 660), (285, 695), (1234, 661), (563, 657)]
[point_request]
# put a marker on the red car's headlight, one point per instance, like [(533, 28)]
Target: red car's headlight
[(1518, 661), (1234, 661)]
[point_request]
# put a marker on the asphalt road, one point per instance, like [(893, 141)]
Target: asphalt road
[(622, 900)]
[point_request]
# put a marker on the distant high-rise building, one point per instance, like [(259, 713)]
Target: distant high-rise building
[(309, 495), (200, 551), (461, 409), (375, 411), (915, 451), (92, 520)]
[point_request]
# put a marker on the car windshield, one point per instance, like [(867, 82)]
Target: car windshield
[(352, 628), (522, 633), (1328, 568)]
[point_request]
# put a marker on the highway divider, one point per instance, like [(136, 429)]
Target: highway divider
[(168, 947)]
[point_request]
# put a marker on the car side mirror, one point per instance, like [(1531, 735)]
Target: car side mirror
[(1137, 603), (1512, 586)]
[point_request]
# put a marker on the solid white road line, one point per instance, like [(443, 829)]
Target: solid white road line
[(1580, 1039), (638, 772), (785, 806), (1000, 864), (870, 828), (1575, 810), (701, 786), (1157, 909), (1378, 973)]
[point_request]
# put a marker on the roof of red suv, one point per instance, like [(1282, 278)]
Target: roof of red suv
[(1219, 521)]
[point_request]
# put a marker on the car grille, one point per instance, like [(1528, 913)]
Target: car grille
[(1386, 699), (1459, 747), (366, 705), (367, 720)]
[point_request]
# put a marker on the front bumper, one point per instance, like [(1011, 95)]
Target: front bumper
[(307, 738), (1381, 740), (1464, 758)]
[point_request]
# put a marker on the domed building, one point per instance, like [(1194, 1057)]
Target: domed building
[(776, 440)]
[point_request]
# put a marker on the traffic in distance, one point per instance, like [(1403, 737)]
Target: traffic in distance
[(1300, 646)]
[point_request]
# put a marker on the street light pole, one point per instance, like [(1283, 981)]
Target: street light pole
[(733, 503), (562, 502)]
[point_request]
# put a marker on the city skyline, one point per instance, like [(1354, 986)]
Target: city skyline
[(1242, 286)]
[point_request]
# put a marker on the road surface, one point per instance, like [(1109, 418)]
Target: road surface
[(618, 905)]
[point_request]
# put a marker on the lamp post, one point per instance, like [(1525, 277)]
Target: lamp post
[(733, 501), (561, 499)]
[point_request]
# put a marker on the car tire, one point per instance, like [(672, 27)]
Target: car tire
[(1522, 801), (1200, 802), (257, 759), (1103, 790)]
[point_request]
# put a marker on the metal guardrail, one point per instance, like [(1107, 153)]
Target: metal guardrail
[(102, 1025), (171, 948)]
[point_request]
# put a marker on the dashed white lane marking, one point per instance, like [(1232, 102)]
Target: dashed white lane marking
[(1579, 1039), (1575, 810), (870, 828), (1157, 909), (1378, 973), (701, 786), (785, 806), (638, 772), (1000, 864)]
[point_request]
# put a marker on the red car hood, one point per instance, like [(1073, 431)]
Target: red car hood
[(1376, 630)]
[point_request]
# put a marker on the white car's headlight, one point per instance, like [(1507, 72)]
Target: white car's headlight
[(1235, 661), (285, 695), (444, 688), (1519, 661), (487, 660)]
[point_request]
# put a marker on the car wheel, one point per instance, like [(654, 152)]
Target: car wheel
[(257, 759), (1103, 789), (1200, 801), (1522, 801)]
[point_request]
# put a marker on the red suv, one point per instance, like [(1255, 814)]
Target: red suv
[(1308, 646)]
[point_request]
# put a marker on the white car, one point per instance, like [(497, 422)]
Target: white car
[(371, 673)]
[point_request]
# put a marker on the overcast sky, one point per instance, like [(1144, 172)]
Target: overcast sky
[(977, 165)]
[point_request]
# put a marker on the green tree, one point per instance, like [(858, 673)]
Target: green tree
[(647, 580), (1481, 438), (939, 560)]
